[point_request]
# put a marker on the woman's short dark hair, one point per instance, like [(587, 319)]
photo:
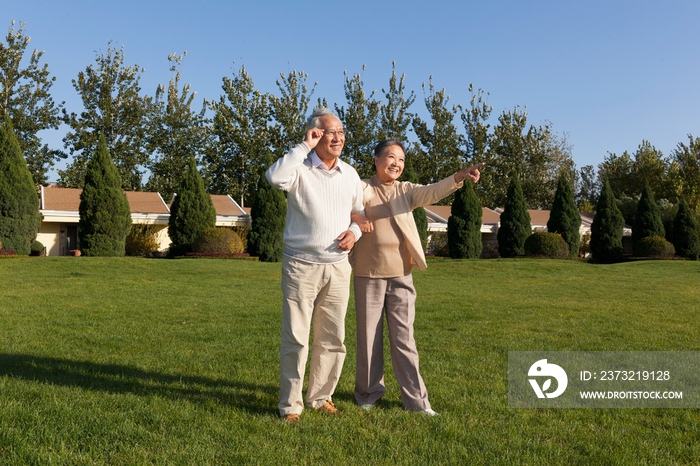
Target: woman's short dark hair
[(385, 144)]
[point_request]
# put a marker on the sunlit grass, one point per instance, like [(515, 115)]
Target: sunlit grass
[(143, 361)]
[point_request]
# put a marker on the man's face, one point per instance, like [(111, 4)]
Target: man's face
[(331, 144)]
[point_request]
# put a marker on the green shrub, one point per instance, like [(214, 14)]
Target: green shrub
[(685, 232), (218, 241), (653, 246), (543, 243), (37, 249), (142, 240)]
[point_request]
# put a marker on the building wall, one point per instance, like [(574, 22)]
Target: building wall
[(49, 235)]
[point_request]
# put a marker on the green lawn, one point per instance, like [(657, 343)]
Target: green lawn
[(144, 361)]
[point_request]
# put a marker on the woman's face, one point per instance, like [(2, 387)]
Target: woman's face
[(390, 164)]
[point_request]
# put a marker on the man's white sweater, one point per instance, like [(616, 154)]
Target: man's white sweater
[(319, 204)]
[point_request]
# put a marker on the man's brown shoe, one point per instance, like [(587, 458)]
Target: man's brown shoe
[(328, 408), (291, 418)]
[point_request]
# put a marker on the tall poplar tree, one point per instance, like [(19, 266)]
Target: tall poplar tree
[(515, 222), (439, 149), (191, 212), (105, 215), (19, 203), (242, 137), (564, 217), (360, 121), (607, 227), (176, 133), (114, 108), (394, 115), (25, 94), (464, 224)]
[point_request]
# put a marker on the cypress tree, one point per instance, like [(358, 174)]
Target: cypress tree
[(105, 216), (607, 227), (268, 211), (515, 222), (191, 211), (419, 216), (647, 219), (564, 217), (19, 202), (464, 225), (685, 232)]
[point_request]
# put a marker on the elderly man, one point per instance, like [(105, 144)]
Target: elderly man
[(322, 193)]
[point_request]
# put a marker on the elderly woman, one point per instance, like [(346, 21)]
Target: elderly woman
[(383, 260)]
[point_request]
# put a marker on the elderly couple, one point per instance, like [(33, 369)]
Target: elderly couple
[(328, 209)]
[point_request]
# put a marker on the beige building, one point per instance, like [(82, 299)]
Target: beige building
[(60, 216), (491, 220)]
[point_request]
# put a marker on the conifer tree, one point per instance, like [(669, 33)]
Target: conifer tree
[(464, 225), (607, 227), (268, 211), (564, 217), (685, 232), (191, 212), (419, 216), (647, 220), (515, 222), (105, 216), (19, 203)]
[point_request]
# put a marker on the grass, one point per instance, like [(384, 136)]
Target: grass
[(140, 361)]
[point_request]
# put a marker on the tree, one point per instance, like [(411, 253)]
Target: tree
[(536, 153), (647, 220), (686, 167), (25, 95), (685, 232), (289, 111), (242, 138), (191, 212), (115, 109), (464, 224), (394, 117), (439, 150), (606, 230), (564, 217), (419, 214), (515, 222), (360, 121), (651, 167), (19, 203), (268, 212), (176, 133), (105, 215), (587, 189)]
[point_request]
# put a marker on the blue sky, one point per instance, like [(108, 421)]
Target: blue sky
[(609, 74)]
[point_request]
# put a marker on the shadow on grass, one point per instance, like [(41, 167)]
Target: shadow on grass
[(120, 379)]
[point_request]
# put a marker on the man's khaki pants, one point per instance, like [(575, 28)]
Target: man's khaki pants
[(315, 293)]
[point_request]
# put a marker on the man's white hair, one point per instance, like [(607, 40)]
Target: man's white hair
[(318, 113)]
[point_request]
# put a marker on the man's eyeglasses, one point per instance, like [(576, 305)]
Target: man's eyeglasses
[(333, 134)]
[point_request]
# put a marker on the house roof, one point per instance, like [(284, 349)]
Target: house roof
[(68, 200), (440, 213), (226, 206)]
